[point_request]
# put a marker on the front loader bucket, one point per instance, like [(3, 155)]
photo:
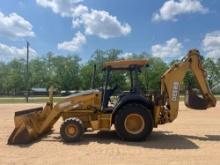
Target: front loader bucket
[(24, 131), (195, 102), (28, 125)]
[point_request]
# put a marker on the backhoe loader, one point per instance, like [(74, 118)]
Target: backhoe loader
[(135, 113)]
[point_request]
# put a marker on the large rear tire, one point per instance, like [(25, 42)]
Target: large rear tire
[(71, 130), (133, 122)]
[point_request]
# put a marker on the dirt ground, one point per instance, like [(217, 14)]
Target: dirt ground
[(193, 138)]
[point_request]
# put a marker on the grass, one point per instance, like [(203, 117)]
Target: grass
[(218, 97), (14, 100)]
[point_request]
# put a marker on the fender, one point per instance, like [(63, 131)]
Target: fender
[(132, 98)]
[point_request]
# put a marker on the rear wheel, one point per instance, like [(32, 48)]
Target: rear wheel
[(133, 122), (71, 130)]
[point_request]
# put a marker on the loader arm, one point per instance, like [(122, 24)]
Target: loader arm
[(170, 85), (33, 123)]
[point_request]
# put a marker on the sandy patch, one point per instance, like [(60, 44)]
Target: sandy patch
[(193, 138)]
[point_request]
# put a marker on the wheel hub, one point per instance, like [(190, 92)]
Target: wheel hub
[(71, 130), (134, 123)]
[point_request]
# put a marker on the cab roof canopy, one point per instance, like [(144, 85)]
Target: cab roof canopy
[(125, 64)]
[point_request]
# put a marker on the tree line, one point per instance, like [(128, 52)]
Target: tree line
[(71, 73)]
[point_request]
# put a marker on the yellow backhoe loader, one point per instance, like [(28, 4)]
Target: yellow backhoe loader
[(134, 114)]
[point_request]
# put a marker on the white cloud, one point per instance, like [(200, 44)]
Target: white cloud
[(95, 22), (80, 10), (104, 25), (15, 26), (75, 44), (76, 22), (173, 8), (62, 7), (211, 44), (172, 48), (126, 55), (12, 52)]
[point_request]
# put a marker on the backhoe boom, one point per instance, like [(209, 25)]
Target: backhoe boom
[(170, 87)]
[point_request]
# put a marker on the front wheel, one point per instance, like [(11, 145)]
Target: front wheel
[(71, 130), (133, 122)]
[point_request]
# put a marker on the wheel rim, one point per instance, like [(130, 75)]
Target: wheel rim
[(71, 130), (134, 123)]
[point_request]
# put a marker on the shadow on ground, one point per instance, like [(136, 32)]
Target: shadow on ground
[(157, 140)]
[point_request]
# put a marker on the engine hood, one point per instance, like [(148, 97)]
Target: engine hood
[(81, 100)]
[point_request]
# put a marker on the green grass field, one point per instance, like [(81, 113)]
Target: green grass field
[(14, 100)]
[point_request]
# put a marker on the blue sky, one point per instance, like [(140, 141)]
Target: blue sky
[(165, 29)]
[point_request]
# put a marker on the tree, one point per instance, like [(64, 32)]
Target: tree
[(86, 76), (15, 77), (65, 71), (213, 72), (98, 58), (3, 73), (153, 73), (39, 73)]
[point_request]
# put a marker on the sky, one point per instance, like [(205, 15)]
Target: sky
[(165, 29)]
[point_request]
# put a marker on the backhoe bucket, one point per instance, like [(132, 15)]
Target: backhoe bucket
[(28, 125), (195, 102)]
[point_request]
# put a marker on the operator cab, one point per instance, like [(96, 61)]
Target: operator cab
[(128, 67)]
